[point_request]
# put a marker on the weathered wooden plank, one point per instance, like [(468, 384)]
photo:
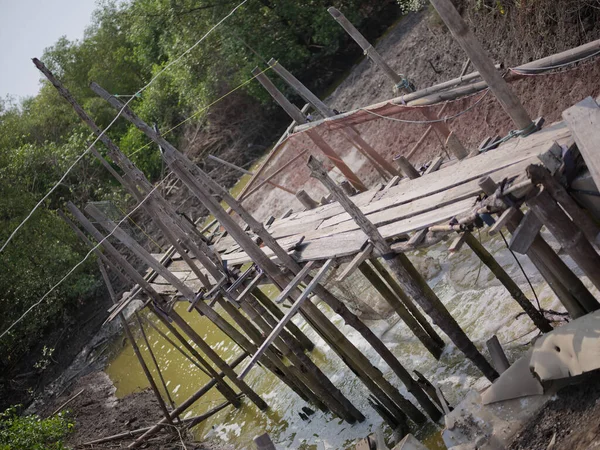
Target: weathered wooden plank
[(356, 261), (501, 222), (435, 165), (583, 120)]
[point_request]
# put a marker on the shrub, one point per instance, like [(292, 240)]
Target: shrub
[(31, 432)]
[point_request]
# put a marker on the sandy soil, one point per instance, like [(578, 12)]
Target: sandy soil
[(572, 421), (544, 95)]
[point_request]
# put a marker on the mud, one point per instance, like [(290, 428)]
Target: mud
[(572, 421)]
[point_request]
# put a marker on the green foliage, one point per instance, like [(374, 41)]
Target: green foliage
[(33, 433), (126, 45)]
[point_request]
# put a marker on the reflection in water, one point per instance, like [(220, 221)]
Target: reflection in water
[(473, 296)]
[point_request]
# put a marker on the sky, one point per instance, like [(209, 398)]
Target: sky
[(27, 27)]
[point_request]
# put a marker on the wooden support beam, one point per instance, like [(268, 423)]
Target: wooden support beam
[(378, 161), (499, 359), (136, 349), (298, 117), (435, 165), (308, 202), (567, 286), (407, 301), (358, 259), (480, 60), (406, 167), (430, 344), (540, 175), (415, 285), (569, 235), (502, 221), (299, 278), (291, 312), (515, 291), (528, 229), (457, 243), (583, 120)]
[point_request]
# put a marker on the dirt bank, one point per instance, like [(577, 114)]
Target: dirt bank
[(98, 413), (572, 421), (427, 54)]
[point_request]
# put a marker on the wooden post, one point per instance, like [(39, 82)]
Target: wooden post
[(515, 291), (478, 56), (499, 358), (568, 235), (350, 133), (433, 347), (298, 117), (264, 442), (278, 314), (306, 199), (539, 175), (399, 81), (160, 375), (406, 167), (136, 349), (569, 289), (407, 274), (407, 301), (583, 119)]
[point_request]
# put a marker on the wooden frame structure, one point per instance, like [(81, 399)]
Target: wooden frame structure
[(371, 231)]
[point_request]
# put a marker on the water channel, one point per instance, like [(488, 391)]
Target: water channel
[(471, 293)]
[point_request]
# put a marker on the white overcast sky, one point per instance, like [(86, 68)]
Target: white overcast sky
[(27, 27)]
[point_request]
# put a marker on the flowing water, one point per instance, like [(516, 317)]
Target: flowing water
[(471, 293)]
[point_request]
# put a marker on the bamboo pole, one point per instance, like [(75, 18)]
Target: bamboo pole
[(136, 350), (351, 134), (433, 347), (569, 289), (515, 291), (155, 362), (399, 81), (299, 118), (414, 284), (407, 301), (480, 59)]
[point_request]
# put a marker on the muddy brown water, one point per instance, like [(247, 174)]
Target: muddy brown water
[(471, 293)]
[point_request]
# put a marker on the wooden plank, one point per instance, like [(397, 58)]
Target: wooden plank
[(435, 165), (525, 233), (291, 312), (393, 182), (351, 242), (583, 120), (457, 243), (501, 222), (300, 276), (356, 261)]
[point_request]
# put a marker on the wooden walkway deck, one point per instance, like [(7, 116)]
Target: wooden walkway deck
[(328, 232)]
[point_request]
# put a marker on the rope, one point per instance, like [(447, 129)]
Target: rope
[(537, 300), (82, 261), (511, 134), (142, 89), (442, 119)]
